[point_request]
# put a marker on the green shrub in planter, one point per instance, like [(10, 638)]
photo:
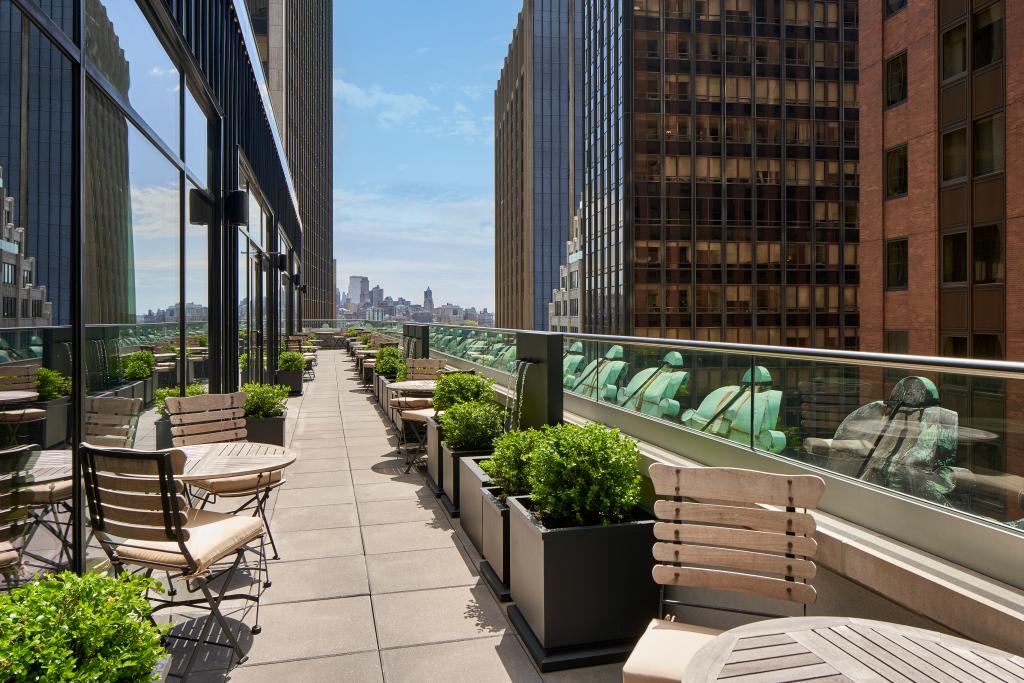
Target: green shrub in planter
[(365, 337), (161, 395), (79, 628), (584, 475), (51, 384), (243, 362), (508, 466), (139, 365), (460, 387), (472, 426), (291, 361), (264, 400), (389, 360)]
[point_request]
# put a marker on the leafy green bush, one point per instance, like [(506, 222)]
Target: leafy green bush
[(364, 338), (508, 467), (291, 361), (352, 333), (52, 384), (472, 426), (460, 387), (584, 475), (264, 400), (139, 365), (79, 628), (243, 362), (161, 395), (389, 360)]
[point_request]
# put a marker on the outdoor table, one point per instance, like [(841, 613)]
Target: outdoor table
[(870, 429), (414, 386), (160, 357), (203, 462), (15, 397), (847, 649)]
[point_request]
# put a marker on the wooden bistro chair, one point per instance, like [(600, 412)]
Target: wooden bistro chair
[(294, 343), (219, 418), (751, 540), (111, 421), (413, 411), (141, 517), (16, 520), (19, 378)]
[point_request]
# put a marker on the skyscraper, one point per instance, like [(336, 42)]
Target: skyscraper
[(428, 300), (359, 290), (295, 40), (536, 126), (721, 168)]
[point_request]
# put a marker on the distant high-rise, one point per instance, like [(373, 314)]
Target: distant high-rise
[(536, 136), (376, 295), (359, 290), (295, 40), (428, 300)]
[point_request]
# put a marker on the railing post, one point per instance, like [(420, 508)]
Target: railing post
[(542, 386), (416, 340)]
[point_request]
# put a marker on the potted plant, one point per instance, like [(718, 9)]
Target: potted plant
[(452, 388), (138, 367), (265, 412), (507, 475), (469, 429), (163, 423), (81, 628), (580, 549), (290, 366), (243, 367), (389, 361), (54, 389)]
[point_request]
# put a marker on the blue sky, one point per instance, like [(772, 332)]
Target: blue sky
[(413, 144)]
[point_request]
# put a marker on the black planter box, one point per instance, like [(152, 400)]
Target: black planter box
[(267, 430), (291, 379), (435, 464), (450, 476), (163, 433), (148, 390), (583, 595), (494, 525), (472, 480), (54, 429)]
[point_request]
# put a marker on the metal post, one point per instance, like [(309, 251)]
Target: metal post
[(416, 340), (542, 386)]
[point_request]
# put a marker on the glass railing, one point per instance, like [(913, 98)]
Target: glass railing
[(482, 346), (931, 429), (330, 326)]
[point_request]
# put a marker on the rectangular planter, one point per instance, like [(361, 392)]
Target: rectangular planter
[(584, 595), (435, 466), (268, 430), (494, 526), (148, 390), (450, 476), (54, 429), (163, 433), (291, 379), (472, 480)]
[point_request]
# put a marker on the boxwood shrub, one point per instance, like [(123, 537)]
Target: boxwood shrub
[(508, 466), (460, 387), (472, 426)]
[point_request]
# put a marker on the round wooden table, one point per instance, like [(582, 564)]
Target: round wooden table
[(414, 386), (14, 397), (847, 649)]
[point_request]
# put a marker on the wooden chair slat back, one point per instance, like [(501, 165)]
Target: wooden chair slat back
[(111, 421), (15, 510), (212, 418), (745, 548), (423, 368), (18, 377)]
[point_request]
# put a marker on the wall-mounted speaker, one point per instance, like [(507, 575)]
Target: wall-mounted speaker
[(200, 212), (236, 208)]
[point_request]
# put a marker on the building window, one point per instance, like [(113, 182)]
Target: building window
[(896, 172), (26, 278), (954, 258), (37, 309), (988, 145), (988, 254), (24, 308), (897, 341), (954, 52), (896, 264), (954, 155), (954, 347), (896, 80), (988, 346), (988, 36), (894, 6), (9, 271), (10, 307)]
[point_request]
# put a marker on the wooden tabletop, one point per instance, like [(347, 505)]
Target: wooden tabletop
[(8, 397), (846, 649), (204, 462), (414, 386)]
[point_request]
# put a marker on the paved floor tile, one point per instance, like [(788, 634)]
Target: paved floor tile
[(298, 630), (436, 616), (418, 570), (314, 543), (362, 667), (304, 465), (389, 538), (495, 660), (306, 480), (406, 510), (314, 517), (333, 577), (386, 462), (391, 490), (295, 498)]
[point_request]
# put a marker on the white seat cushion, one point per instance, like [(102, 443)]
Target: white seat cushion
[(8, 555), (410, 402), (44, 494), (420, 415), (213, 536), (664, 651)]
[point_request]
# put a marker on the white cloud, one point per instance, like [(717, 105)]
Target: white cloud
[(391, 109)]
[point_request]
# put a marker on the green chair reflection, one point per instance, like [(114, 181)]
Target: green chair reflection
[(747, 414), (599, 379), (652, 391)]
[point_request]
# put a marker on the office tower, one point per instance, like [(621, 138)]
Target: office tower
[(428, 300), (376, 296), (359, 290), (295, 42), (564, 309), (720, 196), (940, 210), (24, 303), (535, 123)]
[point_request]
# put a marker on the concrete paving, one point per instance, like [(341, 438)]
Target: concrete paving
[(375, 581)]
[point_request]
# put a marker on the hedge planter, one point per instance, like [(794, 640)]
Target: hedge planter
[(450, 476), (494, 523), (291, 379), (54, 429), (266, 430), (435, 464), (583, 595), (472, 480), (163, 433)]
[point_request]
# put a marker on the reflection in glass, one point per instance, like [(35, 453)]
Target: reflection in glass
[(121, 43), (988, 35), (954, 154), (954, 52), (197, 312), (988, 145), (196, 140)]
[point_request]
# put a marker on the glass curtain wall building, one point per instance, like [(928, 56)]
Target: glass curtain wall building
[(146, 198), (721, 170), (536, 161)]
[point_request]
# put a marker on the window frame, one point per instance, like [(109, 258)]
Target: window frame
[(906, 156), (886, 78), (889, 286)]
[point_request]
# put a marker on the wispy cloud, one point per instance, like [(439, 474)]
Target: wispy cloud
[(391, 109)]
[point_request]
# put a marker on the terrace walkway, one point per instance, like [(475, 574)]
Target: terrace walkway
[(376, 582)]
